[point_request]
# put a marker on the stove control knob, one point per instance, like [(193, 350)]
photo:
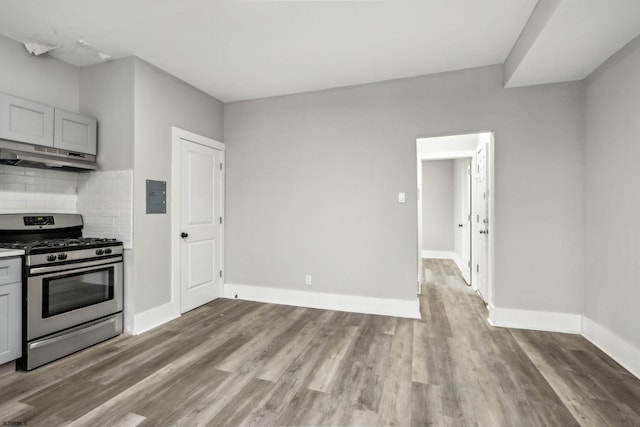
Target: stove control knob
[(107, 251), (99, 251), (51, 258), (62, 256)]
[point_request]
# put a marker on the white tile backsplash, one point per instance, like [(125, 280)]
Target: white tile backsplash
[(37, 190), (103, 198), (17, 178), (15, 202), (105, 202)]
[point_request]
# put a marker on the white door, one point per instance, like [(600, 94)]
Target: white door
[(481, 226), (201, 224), (466, 226)]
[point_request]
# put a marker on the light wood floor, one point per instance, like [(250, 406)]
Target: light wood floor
[(244, 363)]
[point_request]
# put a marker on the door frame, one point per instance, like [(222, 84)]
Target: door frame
[(474, 223), (453, 154), (175, 193)]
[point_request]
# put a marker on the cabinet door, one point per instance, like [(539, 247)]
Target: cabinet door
[(10, 309), (74, 132), (25, 121), (10, 322)]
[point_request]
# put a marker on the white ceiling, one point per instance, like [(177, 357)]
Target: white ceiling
[(234, 49)]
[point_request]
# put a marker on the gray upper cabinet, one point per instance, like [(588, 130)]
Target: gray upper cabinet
[(74, 132), (26, 121), (22, 120)]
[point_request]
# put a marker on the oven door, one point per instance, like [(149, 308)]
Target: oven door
[(64, 296)]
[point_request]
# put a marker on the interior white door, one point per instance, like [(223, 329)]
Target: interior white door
[(201, 229), (466, 225), (482, 222)]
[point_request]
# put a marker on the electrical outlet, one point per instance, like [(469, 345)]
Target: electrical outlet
[(307, 279)]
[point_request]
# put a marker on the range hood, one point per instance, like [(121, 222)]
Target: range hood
[(36, 156)]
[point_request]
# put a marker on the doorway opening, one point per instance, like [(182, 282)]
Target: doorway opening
[(455, 207)]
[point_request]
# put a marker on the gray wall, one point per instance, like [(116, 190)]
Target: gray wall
[(137, 104), (612, 230), (161, 101), (42, 78), (312, 183), (437, 205), (106, 92)]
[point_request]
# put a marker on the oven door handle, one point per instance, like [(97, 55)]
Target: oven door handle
[(74, 266)]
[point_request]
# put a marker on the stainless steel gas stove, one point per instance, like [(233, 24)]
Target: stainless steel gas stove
[(72, 285)]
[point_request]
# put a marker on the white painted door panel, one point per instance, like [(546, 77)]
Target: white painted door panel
[(201, 180), (10, 309), (482, 222), (466, 226)]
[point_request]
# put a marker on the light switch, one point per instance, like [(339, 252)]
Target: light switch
[(400, 197)]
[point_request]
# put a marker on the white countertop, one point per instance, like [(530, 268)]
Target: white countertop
[(6, 253)]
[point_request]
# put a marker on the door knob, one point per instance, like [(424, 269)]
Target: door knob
[(184, 235), (460, 225)]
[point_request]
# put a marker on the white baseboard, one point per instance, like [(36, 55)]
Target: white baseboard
[(438, 254), (154, 317), (613, 345), (537, 320), (326, 301), (616, 347), (457, 260), (464, 270)]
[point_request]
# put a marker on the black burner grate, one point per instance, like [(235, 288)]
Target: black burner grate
[(53, 244)]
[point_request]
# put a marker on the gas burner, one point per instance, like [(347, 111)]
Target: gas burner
[(91, 240), (55, 245), (81, 241)]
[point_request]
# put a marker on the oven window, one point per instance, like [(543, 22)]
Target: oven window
[(73, 291)]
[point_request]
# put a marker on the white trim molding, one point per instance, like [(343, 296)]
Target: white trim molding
[(457, 259), (155, 317), (446, 155), (536, 320), (465, 271), (351, 303), (618, 348)]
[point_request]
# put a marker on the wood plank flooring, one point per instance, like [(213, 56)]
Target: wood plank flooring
[(239, 363)]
